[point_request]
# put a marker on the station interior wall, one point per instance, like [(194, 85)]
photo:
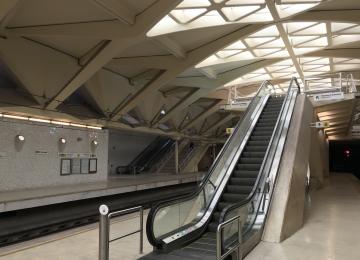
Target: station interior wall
[(35, 163)]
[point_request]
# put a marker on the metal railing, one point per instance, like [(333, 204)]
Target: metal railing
[(236, 247), (104, 229)]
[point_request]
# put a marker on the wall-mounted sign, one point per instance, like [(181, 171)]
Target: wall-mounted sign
[(329, 96), (229, 131), (320, 124), (77, 155), (236, 105), (65, 166), (41, 152)]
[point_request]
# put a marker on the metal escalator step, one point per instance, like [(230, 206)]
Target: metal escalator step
[(256, 143), (264, 128), (207, 240), (255, 148), (272, 110), (235, 189), (254, 154), (265, 124), (232, 197), (245, 174), (203, 246), (266, 113), (251, 160), (274, 104), (194, 254), (222, 205), (250, 167), (211, 235), (260, 138), (265, 116), (242, 181), (274, 101), (267, 120), (261, 133)]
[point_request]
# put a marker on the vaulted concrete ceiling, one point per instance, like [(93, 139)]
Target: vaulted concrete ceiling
[(164, 66)]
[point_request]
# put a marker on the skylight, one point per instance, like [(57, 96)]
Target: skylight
[(190, 14)]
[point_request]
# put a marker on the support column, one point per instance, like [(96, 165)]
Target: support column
[(214, 151), (176, 156)]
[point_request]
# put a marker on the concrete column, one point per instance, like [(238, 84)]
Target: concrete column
[(286, 213), (176, 156), (214, 151)]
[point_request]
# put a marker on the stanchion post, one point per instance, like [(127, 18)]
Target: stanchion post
[(141, 230), (104, 233)]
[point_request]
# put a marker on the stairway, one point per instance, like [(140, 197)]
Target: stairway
[(241, 181)]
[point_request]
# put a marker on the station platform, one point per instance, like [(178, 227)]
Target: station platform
[(23, 199), (330, 232)]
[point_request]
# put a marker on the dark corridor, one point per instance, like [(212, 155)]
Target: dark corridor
[(345, 156)]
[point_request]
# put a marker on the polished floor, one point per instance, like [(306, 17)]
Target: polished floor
[(81, 244), (331, 232), (332, 227)]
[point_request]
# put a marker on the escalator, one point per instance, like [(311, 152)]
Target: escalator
[(226, 215), (151, 155)]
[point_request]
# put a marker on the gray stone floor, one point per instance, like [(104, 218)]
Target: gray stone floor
[(330, 233)]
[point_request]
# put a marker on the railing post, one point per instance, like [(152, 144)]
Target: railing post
[(141, 230), (104, 233), (218, 244), (176, 156)]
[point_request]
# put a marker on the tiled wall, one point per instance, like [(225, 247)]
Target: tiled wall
[(36, 162)]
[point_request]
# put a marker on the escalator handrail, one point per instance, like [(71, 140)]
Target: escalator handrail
[(152, 213), (164, 148), (155, 142), (251, 196)]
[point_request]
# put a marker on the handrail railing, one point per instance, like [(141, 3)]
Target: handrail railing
[(219, 240), (188, 156), (259, 177), (104, 229), (249, 115), (268, 162)]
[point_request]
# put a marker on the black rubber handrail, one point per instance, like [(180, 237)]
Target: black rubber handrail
[(250, 197), (153, 211)]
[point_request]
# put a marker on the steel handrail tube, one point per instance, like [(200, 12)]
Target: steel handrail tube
[(220, 228), (104, 229)]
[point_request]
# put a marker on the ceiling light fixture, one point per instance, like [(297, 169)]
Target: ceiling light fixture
[(94, 127), (39, 120), (59, 123), (20, 138), (15, 117)]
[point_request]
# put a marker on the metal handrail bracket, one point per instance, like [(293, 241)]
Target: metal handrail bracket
[(219, 243), (104, 229)]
